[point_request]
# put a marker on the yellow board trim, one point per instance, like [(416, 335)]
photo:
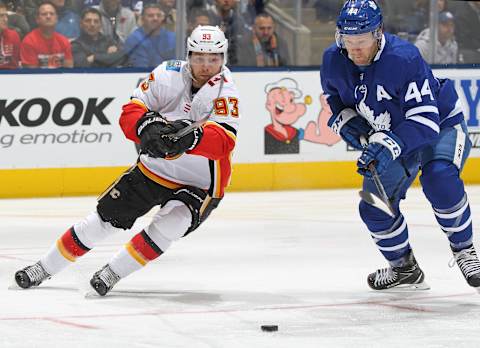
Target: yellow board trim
[(54, 182), (133, 253)]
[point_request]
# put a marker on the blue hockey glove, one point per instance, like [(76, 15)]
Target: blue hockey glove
[(350, 126), (383, 148)]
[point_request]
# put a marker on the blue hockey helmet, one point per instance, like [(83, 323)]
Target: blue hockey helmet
[(359, 17)]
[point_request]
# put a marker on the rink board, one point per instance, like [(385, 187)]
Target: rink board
[(53, 182), (59, 133)]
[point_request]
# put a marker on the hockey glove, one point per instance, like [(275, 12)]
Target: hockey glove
[(383, 148), (149, 128), (175, 147), (350, 126)]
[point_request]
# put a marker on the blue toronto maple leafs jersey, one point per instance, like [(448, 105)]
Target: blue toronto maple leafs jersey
[(397, 92)]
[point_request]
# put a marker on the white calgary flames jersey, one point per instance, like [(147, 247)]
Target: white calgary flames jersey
[(168, 91)]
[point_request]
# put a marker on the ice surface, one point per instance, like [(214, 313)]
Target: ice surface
[(295, 259)]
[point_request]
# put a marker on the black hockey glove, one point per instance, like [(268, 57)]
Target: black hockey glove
[(149, 129), (175, 147)]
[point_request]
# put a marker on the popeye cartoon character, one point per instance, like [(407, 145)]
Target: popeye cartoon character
[(285, 109)]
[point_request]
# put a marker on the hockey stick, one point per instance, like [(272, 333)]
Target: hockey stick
[(383, 202), (184, 131)]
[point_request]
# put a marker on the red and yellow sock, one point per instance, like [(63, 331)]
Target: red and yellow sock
[(70, 246)]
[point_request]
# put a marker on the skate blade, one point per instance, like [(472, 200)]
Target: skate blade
[(408, 288)]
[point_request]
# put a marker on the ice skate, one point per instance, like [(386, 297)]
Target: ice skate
[(469, 264), (409, 276), (104, 280), (31, 276)]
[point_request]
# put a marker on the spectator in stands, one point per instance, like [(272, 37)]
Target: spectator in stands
[(134, 5), (467, 20), (447, 48), (224, 14), (442, 6), (408, 18), (252, 8), (417, 20), (168, 8), (16, 20), (68, 21), (197, 16), (43, 47), (151, 44), (92, 48), (118, 22), (263, 47), (9, 42)]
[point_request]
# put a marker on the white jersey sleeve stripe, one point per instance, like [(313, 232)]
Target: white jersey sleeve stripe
[(420, 110), (426, 122)]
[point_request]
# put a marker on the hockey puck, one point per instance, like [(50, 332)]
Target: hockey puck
[(269, 328)]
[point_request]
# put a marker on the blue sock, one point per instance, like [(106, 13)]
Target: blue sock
[(444, 189)]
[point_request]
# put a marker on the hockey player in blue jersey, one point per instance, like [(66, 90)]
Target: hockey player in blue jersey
[(379, 87)]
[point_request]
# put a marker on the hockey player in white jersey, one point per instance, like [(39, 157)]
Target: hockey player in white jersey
[(185, 176), (380, 88)]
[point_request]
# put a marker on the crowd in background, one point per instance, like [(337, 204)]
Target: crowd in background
[(141, 33), (458, 24)]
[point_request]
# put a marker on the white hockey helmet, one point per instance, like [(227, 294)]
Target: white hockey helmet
[(207, 39)]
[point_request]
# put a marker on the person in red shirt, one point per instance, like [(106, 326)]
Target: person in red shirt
[(43, 47), (9, 42)]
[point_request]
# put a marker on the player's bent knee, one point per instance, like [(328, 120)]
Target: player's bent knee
[(169, 224), (441, 184), (199, 203), (374, 218), (93, 229)]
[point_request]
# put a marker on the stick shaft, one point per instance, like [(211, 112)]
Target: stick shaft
[(377, 181), (380, 188), (188, 129)]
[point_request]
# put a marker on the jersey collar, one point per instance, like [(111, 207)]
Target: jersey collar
[(382, 46)]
